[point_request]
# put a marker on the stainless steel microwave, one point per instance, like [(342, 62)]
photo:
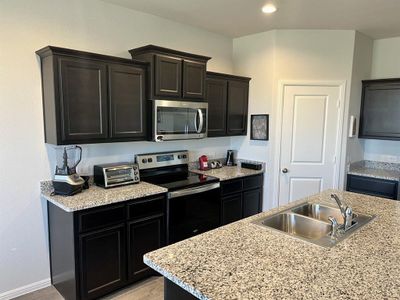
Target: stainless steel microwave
[(179, 120)]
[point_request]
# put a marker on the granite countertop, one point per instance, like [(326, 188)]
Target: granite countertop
[(226, 173), (376, 173), (245, 261), (98, 196), (374, 169)]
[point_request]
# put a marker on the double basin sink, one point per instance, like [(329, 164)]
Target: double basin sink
[(310, 222)]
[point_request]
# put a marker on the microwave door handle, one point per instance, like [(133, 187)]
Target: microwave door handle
[(201, 121)]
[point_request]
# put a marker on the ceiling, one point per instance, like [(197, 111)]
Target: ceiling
[(234, 18)]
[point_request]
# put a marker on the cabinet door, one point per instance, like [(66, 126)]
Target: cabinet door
[(143, 236), (238, 93), (168, 76), (102, 261), (83, 94), (194, 75), (372, 186), (216, 96), (380, 110), (251, 202), (231, 208), (127, 102)]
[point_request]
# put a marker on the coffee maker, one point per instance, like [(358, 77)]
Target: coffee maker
[(66, 181)]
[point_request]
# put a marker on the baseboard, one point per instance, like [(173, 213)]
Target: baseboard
[(25, 289)]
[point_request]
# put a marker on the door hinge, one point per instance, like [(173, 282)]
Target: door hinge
[(334, 159)]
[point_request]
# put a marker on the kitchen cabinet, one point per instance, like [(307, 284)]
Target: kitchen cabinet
[(173, 75), (102, 261), (373, 186), (96, 251), (91, 98), (227, 97), (241, 198), (127, 116), (380, 109)]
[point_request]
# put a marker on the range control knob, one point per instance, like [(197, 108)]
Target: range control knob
[(150, 160), (144, 160)]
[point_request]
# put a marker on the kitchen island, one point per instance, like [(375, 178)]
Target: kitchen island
[(245, 261)]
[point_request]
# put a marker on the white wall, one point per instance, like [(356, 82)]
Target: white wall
[(385, 64), (286, 55), (91, 25), (362, 60)]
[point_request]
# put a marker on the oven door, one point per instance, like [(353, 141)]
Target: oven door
[(193, 211), (179, 120)]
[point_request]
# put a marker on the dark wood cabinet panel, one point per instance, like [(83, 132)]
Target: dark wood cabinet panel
[(251, 202), (380, 109), (83, 87), (194, 76), (95, 251), (174, 75), (127, 102), (102, 261), (241, 198), (143, 236), (231, 208), (373, 186), (238, 94), (216, 95), (227, 97), (168, 76)]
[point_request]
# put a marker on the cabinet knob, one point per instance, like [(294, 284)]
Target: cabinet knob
[(285, 170)]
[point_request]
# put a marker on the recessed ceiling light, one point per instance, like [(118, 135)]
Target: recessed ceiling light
[(269, 8)]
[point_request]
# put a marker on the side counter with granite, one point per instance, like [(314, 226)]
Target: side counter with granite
[(97, 238), (243, 260), (374, 178)]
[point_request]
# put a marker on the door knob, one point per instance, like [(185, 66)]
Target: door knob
[(285, 170)]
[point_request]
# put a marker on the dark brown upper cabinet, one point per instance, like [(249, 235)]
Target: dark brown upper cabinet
[(173, 74), (83, 99), (380, 109), (227, 97), (92, 98), (126, 86)]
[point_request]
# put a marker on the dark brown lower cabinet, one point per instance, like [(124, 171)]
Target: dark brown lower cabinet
[(241, 198), (373, 186), (251, 202), (102, 261), (143, 236), (96, 251), (231, 208)]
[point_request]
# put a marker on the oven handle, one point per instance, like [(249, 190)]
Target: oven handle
[(191, 191)]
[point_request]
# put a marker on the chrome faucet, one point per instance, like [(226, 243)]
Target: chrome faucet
[(346, 211)]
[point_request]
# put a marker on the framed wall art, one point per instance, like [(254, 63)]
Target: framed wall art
[(259, 127)]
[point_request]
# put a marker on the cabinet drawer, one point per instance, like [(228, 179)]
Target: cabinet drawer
[(101, 217), (252, 182), (231, 186), (144, 208), (372, 186)]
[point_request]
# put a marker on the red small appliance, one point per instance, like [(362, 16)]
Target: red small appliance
[(203, 162)]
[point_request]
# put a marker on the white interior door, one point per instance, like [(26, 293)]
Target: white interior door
[(309, 140)]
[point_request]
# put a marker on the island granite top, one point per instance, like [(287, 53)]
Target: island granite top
[(227, 173), (98, 196), (245, 261)]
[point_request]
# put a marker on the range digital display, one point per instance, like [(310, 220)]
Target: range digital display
[(162, 158)]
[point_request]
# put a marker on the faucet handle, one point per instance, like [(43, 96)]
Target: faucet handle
[(335, 226)]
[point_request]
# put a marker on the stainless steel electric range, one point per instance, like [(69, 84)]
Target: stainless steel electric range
[(193, 201)]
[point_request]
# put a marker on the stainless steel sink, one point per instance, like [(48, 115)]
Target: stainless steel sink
[(309, 222), (319, 212), (298, 225)]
